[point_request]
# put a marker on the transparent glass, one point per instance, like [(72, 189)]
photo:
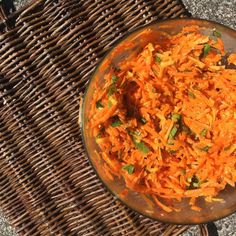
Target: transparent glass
[(126, 47)]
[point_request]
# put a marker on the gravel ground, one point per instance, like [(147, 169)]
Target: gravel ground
[(20, 3), (5, 228), (222, 11)]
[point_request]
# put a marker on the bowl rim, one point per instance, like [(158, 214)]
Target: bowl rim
[(101, 60)]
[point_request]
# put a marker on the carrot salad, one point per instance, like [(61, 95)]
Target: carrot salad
[(165, 120)]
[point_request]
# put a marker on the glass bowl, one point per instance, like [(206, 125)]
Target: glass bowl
[(130, 45)]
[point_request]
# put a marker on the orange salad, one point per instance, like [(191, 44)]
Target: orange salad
[(165, 120)]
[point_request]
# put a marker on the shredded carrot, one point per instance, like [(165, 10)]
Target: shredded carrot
[(232, 59), (163, 206), (165, 120)]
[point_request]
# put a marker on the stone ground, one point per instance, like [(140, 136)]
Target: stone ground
[(222, 11)]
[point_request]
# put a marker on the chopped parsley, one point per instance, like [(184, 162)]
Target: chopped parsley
[(191, 94), (134, 133), (99, 104), (206, 49), (143, 120), (194, 182), (172, 151), (129, 169), (173, 132), (110, 104), (205, 149), (203, 133), (157, 59), (176, 117), (216, 33), (116, 122), (112, 89), (141, 146), (114, 78)]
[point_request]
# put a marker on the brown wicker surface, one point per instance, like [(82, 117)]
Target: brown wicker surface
[(48, 51)]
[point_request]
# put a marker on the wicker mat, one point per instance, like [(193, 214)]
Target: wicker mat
[(48, 51)]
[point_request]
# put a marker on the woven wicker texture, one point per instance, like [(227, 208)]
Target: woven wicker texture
[(47, 53)]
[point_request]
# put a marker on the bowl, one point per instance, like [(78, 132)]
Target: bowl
[(125, 48)]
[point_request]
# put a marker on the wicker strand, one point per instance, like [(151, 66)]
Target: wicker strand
[(47, 56)]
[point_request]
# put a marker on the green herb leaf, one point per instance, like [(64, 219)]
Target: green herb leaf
[(206, 49), (157, 59), (194, 182), (110, 104), (116, 68), (138, 133), (141, 146), (129, 132), (191, 94), (129, 169), (116, 123), (99, 135), (172, 151), (114, 78), (112, 89), (170, 142), (216, 34), (134, 133), (173, 132), (205, 149), (176, 117), (143, 120), (99, 104), (203, 133)]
